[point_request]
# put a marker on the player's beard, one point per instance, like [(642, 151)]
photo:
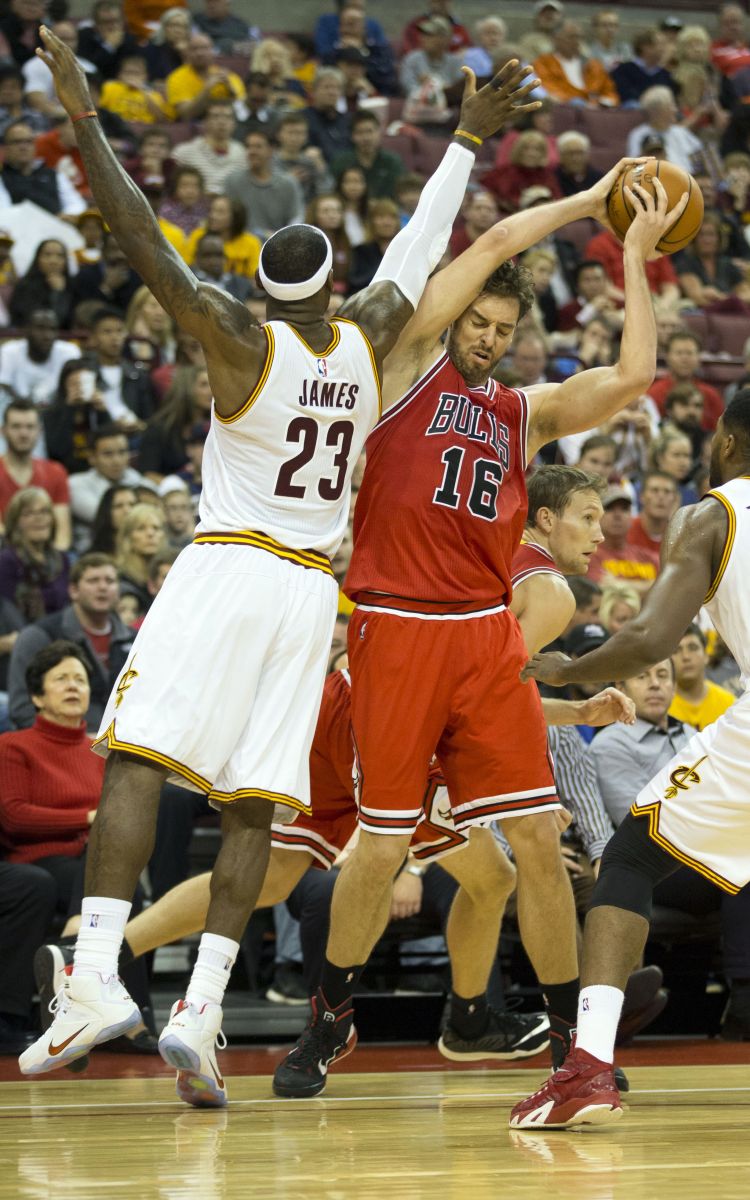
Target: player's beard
[(471, 373)]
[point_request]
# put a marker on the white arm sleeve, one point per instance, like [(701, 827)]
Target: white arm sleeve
[(415, 252)]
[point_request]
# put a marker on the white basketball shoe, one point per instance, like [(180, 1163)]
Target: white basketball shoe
[(88, 1010), (188, 1043)]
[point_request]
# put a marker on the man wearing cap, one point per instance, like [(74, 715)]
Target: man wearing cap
[(548, 16), (579, 641), (617, 560), (460, 36), (433, 59), (645, 69), (571, 78), (381, 168)]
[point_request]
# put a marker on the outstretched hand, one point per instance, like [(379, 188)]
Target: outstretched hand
[(606, 707), (547, 668), (484, 112), (652, 217), (71, 84)]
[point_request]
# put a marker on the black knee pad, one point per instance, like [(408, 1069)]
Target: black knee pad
[(631, 867)]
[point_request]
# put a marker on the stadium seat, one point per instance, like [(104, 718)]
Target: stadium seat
[(729, 332), (579, 233), (698, 324), (406, 147)]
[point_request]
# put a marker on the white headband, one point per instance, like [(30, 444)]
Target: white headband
[(305, 287)]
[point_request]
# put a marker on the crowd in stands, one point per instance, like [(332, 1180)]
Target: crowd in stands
[(233, 132)]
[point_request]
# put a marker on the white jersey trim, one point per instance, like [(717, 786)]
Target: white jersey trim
[(401, 612), (414, 390)]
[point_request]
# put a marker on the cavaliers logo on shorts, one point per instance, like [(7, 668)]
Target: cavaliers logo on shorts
[(125, 682), (682, 777)]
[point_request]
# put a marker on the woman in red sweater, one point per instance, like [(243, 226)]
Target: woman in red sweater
[(50, 784)]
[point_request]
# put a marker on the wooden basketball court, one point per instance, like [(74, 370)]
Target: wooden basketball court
[(408, 1134)]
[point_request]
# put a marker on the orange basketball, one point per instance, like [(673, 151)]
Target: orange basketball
[(675, 181)]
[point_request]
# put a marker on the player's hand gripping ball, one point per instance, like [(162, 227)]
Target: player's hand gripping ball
[(675, 181)]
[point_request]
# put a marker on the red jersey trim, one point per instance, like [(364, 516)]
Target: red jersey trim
[(414, 391)]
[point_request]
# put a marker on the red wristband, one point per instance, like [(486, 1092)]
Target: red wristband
[(82, 116)]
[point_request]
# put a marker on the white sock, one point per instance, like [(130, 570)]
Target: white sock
[(103, 922), (208, 982), (599, 1009)]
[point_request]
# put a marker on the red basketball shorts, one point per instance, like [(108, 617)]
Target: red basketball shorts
[(446, 685)]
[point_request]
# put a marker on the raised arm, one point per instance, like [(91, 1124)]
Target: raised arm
[(221, 323), (384, 308), (452, 290), (585, 400), (691, 555)]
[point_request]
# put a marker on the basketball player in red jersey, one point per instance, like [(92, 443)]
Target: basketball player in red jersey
[(434, 653)]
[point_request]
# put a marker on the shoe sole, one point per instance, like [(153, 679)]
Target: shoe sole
[(279, 998), (288, 1093), (200, 1091), (75, 1052), (482, 1055), (592, 1114)]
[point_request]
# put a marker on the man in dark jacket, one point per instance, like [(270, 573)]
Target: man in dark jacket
[(123, 385), (110, 281), (91, 622)]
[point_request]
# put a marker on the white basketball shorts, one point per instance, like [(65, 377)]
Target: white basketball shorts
[(224, 680), (699, 803)]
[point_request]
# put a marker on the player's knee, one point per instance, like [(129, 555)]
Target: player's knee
[(491, 877), (248, 813), (381, 854), (535, 841)]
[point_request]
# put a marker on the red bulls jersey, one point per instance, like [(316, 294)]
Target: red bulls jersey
[(443, 501), (532, 559)]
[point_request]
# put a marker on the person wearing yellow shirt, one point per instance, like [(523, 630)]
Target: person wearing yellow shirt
[(130, 96), (192, 86), (228, 219), (697, 701)]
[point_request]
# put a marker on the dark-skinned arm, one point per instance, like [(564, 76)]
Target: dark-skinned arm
[(691, 557), (216, 319)]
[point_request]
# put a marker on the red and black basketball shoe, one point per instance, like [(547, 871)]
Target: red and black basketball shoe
[(329, 1037), (582, 1092)]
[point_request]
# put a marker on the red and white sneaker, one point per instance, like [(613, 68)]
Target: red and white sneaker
[(188, 1043), (582, 1092)]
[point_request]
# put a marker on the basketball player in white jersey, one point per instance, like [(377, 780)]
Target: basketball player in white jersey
[(696, 811), (223, 685)]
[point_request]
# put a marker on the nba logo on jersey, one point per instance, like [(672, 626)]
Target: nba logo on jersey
[(322, 366)]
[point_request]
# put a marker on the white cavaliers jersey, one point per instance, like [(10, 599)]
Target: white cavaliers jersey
[(282, 465), (728, 601)]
